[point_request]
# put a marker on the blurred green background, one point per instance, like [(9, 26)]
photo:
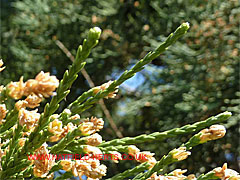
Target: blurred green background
[(196, 78)]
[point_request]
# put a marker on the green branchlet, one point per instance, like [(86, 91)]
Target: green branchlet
[(36, 139), (68, 78), (180, 31), (170, 133), (15, 159), (169, 158)]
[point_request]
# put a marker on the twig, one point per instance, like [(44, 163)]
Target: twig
[(91, 84)]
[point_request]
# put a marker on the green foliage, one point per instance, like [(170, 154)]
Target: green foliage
[(15, 165), (193, 80)]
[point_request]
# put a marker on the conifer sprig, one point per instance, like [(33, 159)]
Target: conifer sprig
[(80, 136), (76, 107), (68, 78), (170, 133), (36, 139), (173, 156)]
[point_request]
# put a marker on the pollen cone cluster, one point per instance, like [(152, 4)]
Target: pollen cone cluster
[(56, 128), (105, 86), (213, 133), (90, 168), (142, 157), (43, 165), (3, 113), (90, 126), (226, 174), (43, 85)]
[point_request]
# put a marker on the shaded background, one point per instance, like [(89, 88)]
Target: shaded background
[(196, 78)]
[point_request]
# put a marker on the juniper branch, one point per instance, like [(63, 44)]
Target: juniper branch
[(6, 134), (180, 31), (36, 137), (169, 158), (68, 78), (170, 133), (119, 148)]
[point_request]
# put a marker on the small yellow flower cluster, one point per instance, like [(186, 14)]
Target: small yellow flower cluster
[(180, 153), (90, 126), (35, 89), (214, 132), (226, 174), (90, 168), (3, 113), (103, 87), (1, 63), (142, 157), (43, 165), (174, 175)]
